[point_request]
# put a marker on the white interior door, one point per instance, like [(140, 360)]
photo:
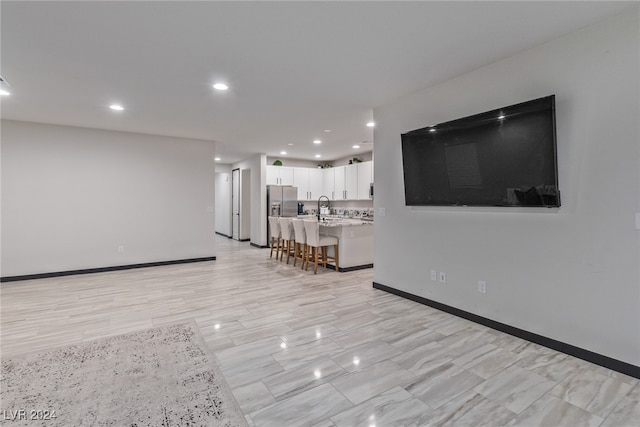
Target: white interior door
[(235, 204)]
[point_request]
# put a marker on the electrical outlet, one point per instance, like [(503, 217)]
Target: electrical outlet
[(121, 249), (382, 212), (443, 277), (482, 286), (434, 275)]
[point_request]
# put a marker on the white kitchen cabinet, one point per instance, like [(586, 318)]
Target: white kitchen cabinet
[(273, 175), (351, 182), (316, 187), (279, 175), (328, 183), (339, 187), (345, 182), (286, 175), (365, 178), (309, 183), (301, 181)]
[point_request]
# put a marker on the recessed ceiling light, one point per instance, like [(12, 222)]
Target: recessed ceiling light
[(318, 156), (371, 124), (220, 86), (217, 159), (4, 92), (116, 107), (283, 152), (327, 130), (289, 144), (317, 141), (356, 146)]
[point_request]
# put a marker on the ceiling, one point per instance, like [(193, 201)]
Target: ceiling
[(294, 69)]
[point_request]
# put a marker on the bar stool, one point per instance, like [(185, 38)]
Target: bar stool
[(286, 234), (300, 244), (315, 241), (274, 228)]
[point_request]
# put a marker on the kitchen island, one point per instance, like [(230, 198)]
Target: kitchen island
[(355, 242)]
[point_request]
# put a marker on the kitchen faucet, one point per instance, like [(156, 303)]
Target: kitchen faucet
[(320, 198)]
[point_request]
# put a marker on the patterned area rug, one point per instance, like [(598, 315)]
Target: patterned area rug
[(157, 377)]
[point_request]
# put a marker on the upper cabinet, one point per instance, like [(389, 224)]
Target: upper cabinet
[(349, 182), (365, 178), (273, 175), (328, 183), (279, 175), (301, 181), (316, 186), (345, 182), (339, 187), (309, 183)]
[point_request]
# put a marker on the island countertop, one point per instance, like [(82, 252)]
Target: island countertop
[(345, 223), (332, 221)]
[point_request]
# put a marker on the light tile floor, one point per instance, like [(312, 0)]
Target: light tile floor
[(326, 350)]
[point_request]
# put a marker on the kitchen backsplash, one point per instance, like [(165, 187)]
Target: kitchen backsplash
[(346, 212)]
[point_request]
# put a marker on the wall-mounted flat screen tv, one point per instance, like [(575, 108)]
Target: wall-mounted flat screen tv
[(503, 157)]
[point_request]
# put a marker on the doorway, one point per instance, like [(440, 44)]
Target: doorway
[(235, 204), (245, 205)]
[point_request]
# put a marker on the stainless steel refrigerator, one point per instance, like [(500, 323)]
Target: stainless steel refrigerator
[(282, 200)]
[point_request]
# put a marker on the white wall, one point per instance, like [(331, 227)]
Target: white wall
[(299, 163), (71, 196), (573, 274), (365, 157), (258, 196), (223, 199)]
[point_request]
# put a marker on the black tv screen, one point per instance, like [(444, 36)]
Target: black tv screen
[(503, 157)]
